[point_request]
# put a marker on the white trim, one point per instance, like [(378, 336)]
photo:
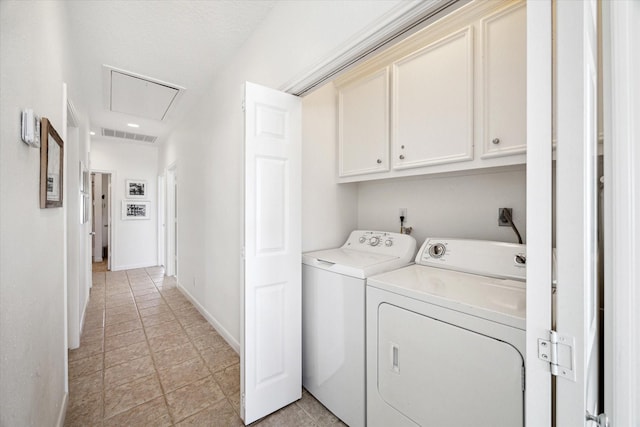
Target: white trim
[(65, 246), (576, 206), (133, 266), (72, 115), (399, 21), (161, 218), (112, 229), (62, 415), (171, 245), (622, 210), (539, 214), (212, 320)]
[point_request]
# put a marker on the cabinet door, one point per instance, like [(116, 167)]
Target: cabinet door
[(363, 125), (505, 82), (433, 103)]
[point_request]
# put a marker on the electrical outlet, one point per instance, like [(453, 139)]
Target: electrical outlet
[(502, 219)]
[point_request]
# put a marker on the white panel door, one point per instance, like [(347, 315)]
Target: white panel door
[(576, 206), (271, 352), (539, 209)]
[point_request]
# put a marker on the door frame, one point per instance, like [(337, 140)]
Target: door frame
[(111, 240), (162, 208), (576, 207), (171, 246), (621, 91), (539, 208)]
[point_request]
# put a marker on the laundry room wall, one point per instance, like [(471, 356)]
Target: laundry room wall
[(329, 210), (207, 148), (33, 67), (135, 242), (463, 206)]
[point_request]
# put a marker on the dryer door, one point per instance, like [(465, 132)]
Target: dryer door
[(438, 374)]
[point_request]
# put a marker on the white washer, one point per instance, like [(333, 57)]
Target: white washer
[(446, 337), (333, 317)]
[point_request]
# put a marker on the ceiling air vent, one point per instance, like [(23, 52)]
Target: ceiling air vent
[(128, 135)]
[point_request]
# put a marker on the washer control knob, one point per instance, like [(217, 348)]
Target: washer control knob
[(520, 259), (374, 241), (389, 242), (362, 239), (437, 250)]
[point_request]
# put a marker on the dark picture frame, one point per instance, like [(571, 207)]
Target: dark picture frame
[(51, 166), (136, 188)]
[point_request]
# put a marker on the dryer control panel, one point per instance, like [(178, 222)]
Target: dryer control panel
[(495, 259)]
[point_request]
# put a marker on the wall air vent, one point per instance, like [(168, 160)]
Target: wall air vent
[(128, 135)]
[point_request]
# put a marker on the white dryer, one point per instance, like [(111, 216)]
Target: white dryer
[(446, 337), (333, 317)]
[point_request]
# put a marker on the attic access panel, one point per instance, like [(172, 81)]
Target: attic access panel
[(140, 96)]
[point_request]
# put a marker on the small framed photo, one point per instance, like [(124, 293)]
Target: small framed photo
[(135, 210), (136, 189)]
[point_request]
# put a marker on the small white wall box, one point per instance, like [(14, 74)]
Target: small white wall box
[(30, 128)]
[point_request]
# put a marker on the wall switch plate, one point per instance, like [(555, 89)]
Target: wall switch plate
[(502, 220)]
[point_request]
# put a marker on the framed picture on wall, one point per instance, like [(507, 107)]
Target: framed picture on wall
[(136, 189), (135, 210)]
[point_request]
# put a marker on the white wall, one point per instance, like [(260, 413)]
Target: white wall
[(454, 205), (329, 210), (207, 147), (32, 288), (446, 206), (134, 242)]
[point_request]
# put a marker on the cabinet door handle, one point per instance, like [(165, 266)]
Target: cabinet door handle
[(496, 141), (401, 157), (378, 161)]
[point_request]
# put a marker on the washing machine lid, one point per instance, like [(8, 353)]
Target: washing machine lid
[(365, 253), (498, 300), (351, 262)]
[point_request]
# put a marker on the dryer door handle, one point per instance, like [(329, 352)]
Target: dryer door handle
[(395, 357)]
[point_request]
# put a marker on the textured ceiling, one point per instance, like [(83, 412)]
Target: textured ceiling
[(179, 42)]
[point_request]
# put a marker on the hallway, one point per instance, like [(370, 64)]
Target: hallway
[(148, 357)]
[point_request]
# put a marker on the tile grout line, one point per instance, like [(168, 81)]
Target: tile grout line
[(144, 331), (198, 351), (114, 282)]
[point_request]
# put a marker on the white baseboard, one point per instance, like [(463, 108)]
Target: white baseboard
[(132, 266), (63, 410), (212, 320), (97, 259)]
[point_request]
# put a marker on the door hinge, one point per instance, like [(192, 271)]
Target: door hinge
[(244, 106), (558, 350), (242, 252), (601, 420)]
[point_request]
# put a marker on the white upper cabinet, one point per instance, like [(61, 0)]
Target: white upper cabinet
[(432, 113), (504, 82), (363, 125), (449, 98)]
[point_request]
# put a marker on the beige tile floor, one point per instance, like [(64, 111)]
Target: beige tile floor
[(147, 357)]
